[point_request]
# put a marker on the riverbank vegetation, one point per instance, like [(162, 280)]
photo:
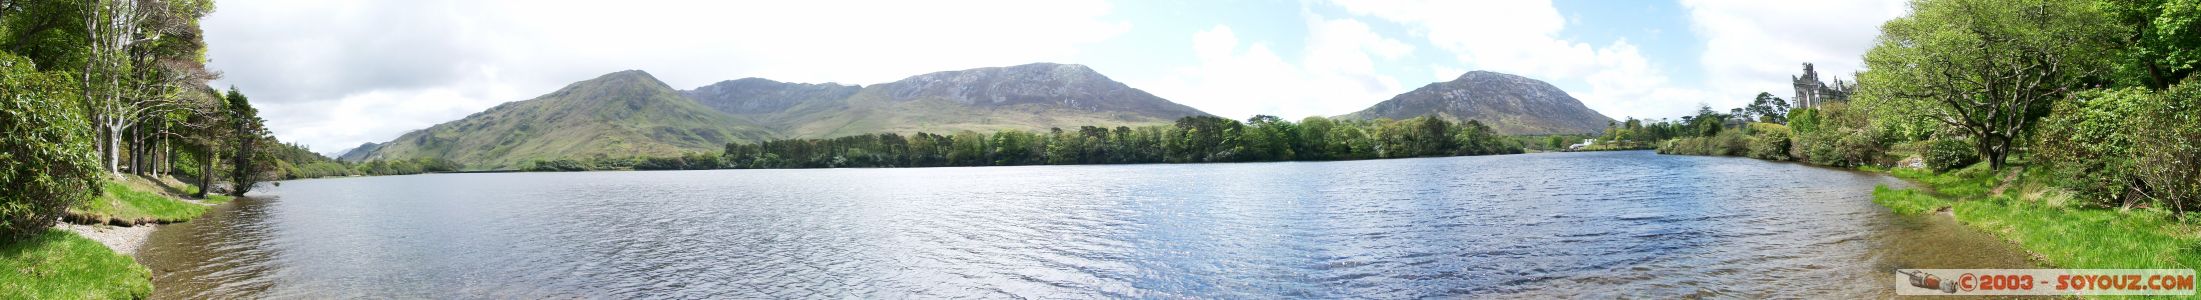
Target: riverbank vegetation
[(1189, 140), (106, 117), (56, 264), (2064, 230), (137, 201), (2071, 127)]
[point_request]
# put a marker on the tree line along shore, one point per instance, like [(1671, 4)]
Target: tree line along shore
[(2069, 127), (1197, 139)]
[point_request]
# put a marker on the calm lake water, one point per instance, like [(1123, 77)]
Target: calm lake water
[(1599, 225)]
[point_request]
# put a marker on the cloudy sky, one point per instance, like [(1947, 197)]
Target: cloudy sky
[(334, 74)]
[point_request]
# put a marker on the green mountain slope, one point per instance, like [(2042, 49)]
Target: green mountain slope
[(779, 106), (1507, 103), (621, 114), (1032, 97), (630, 113), (359, 153)]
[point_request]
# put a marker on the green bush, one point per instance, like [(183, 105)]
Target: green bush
[(46, 158), (1724, 143), (1835, 135), (2168, 162), (1818, 147), (1803, 120), (1840, 147), (1943, 154), (1859, 148), (1771, 142), (2088, 143), (2122, 147), (557, 165)]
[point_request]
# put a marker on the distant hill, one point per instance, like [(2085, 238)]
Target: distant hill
[(779, 106), (359, 153), (630, 113), (621, 114), (1507, 103), (1026, 97)]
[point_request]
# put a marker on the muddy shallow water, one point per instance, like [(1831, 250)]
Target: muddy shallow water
[(1601, 225)]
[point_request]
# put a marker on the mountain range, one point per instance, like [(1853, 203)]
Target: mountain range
[(631, 113), (1030, 97), (1508, 103), (620, 114)]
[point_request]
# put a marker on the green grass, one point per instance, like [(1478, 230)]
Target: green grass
[(211, 198), (1967, 183), (127, 202), (62, 265), (2046, 221), (217, 199)]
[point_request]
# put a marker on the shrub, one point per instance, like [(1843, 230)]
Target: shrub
[(661, 163), (1725, 143), (2128, 146), (1803, 120), (1834, 135), (1943, 154), (46, 158), (1771, 143), (1840, 147), (1859, 148), (557, 165), (2088, 143), (2169, 136), (1818, 148)]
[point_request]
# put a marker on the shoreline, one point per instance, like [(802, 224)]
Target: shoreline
[(125, 240), (124, 235), (2041, 220)]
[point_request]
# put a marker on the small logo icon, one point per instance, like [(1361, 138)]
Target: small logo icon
[(1932, 282)]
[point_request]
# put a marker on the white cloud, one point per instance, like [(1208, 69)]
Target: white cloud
[(332, 74), (1506, 36), (338, 73), (1625, 84), (1446, 73), (1336, 75), (1521, 38), (1754, 46)]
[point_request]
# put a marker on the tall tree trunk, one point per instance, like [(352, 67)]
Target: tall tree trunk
[(206, 172), (167, 160), (2155, 72), (114, 158), (137, 151)]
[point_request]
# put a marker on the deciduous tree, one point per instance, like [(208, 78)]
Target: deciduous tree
[(1988, 67)]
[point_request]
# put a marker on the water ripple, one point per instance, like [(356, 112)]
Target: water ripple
[(1578, 225)]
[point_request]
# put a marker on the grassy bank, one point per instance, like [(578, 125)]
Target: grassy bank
[(62, 265), (2045, 220), (141, 200)]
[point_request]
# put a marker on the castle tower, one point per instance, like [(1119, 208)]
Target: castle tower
[(1807, 87)]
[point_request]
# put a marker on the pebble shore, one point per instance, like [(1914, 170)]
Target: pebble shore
[(123, 240)]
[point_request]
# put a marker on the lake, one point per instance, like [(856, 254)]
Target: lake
[(1602, 225)]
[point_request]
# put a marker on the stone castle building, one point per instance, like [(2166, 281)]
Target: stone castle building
[(1810, 92)]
